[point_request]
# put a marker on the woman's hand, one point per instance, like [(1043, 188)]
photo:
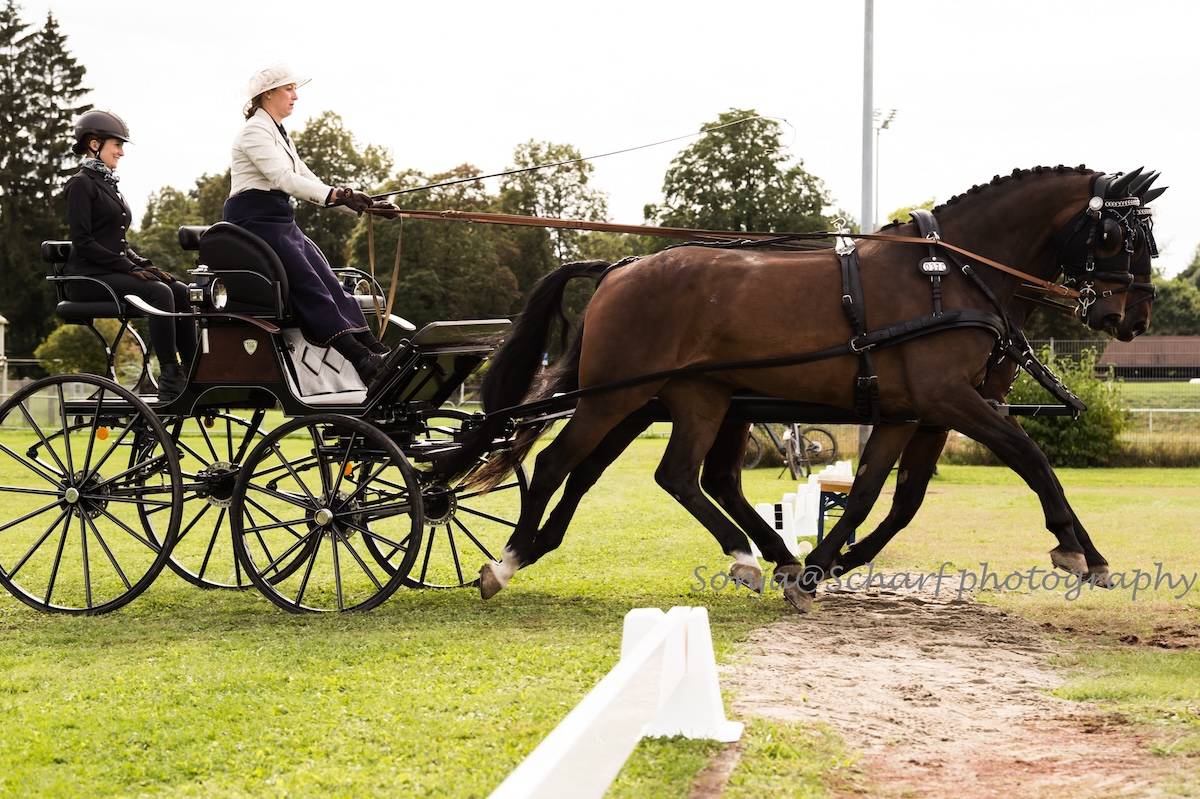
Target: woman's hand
[(143, 274), (385, 209), (165, 277), (356, 201)]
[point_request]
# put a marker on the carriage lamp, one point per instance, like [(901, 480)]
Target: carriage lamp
[(207, 289)]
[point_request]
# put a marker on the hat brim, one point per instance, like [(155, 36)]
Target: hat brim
[(290, 79)]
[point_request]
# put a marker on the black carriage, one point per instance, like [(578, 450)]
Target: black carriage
[(332, 507)]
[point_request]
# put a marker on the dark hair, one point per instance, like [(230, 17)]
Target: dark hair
[(254, 105), (81, 147)]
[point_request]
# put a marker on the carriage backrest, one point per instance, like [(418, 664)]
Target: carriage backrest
[(250, 269), (56, 252)]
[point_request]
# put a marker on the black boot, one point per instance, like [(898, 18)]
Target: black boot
[(368, 340), (171, 382)]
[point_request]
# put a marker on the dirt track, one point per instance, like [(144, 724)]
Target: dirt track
[(942, 698)]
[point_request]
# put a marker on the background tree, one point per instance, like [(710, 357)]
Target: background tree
[(739, 178), (332, 152), (448, 270), (167, 209), (72, 349), (1176, 308), (901, 214), (40, 89), (560, 192)]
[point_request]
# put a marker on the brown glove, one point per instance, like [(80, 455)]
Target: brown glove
[(356, 201), (143, 274), (385, 209), (165, 277)]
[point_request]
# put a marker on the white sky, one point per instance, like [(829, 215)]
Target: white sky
[(980, 88)]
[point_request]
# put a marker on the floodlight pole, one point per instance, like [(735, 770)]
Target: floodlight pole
[(3, 361), (867, 219)]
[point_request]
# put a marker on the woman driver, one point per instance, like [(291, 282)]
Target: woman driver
[(266, 171), (99, 218)]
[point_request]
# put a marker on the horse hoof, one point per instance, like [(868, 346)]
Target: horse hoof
[(1100, 577), (489, 583), (747, 575), (1073, 562), (799, 599)]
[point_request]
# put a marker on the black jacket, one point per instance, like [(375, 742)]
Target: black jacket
[(99, 220)]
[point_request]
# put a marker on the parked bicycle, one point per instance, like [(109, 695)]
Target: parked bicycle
[(799, 448)]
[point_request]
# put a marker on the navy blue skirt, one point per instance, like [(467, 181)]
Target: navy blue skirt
[(323, 308)]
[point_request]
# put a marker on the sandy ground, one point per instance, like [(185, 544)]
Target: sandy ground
[(943, 697)]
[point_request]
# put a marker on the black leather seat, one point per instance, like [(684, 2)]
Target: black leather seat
[(250, 269), (70, 311)]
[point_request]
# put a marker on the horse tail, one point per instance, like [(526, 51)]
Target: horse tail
[(511, 377)]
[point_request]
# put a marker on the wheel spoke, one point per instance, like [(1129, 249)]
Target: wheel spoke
[(303, 463), (293, 499), (321, 466), (56, 503), (129, 530), (270, 515), (41, 436), (62, 415), (31, 467), (295, 476), (403, 545), (274, 564), (199, 515), (358, 559), (381, 511), (129, 500), (229, 438), (62, 542), (363, 485), (273, 526), (428, 552), (337, 572), (504, 487), (87, 458), (87, 570), (337, 483), (188, 449), (251, 429), (475, 540), (111, 558), (488, 516), (40, 492), (112, 448), (211, 543), (207, 440), (261, 542), (37, 544), (454, 554), (308, 570), (156, 461)]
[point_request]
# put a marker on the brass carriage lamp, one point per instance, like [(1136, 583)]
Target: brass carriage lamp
[(207, 289)]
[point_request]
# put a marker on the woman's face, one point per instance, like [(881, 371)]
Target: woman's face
[(111, 152), (279, 102)]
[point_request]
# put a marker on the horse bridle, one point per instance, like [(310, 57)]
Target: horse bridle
[(1090, 222)]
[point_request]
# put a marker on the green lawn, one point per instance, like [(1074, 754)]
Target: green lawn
[(186, 692)]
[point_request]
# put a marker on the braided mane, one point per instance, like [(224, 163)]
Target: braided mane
[(1001, 180)]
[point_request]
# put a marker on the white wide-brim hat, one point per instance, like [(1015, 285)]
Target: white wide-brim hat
[(273, 77)]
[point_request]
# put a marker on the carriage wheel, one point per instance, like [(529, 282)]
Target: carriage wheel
[(212, 446), (310, 498), (71, 535), (460, 523)]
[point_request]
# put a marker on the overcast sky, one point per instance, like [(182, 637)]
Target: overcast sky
[(979, 88)]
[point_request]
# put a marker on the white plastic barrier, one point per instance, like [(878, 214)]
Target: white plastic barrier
[(665, 684), (795, 517)]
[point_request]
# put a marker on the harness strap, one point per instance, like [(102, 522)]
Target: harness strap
[(866, 385)]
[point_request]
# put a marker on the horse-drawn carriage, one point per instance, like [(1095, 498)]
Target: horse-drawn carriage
[(360, 492), (329, 510)]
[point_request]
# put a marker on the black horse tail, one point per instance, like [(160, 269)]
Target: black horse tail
[(510, 380)]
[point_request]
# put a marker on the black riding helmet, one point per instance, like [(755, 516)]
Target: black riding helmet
[(98, 125)]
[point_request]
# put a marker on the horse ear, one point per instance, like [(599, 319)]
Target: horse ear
[(1120, 187), (1153, 194), (1140, 185)]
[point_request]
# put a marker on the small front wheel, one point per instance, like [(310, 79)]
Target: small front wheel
[(311, 499)]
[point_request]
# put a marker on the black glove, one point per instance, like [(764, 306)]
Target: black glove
[(356, 201), (165, 277), (385, 209)]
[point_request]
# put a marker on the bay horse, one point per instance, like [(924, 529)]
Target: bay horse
[(692, 306)]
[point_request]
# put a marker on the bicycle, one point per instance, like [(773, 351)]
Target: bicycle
[(800, 448)]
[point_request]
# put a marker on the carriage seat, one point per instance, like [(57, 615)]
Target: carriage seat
[(250, 269), (76, 312)]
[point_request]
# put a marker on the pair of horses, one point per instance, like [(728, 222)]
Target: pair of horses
[(669, 313)]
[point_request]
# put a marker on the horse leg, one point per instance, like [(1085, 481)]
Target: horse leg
[(973, 417), (721, 479), (917, 464), (594, 418), (697, 413), (883, 448), (580, 481)]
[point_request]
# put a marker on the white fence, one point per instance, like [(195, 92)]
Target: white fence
[(664, 684)]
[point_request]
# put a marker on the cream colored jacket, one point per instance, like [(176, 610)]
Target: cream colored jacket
[(263, 159)]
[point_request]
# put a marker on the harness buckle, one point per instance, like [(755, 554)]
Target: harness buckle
[(858, 350), (847, 300), (843, 245)]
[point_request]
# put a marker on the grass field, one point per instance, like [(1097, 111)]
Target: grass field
[(188, 693)]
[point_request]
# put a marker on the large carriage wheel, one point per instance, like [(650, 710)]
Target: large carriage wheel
[(71, 536), (212, 446), (461, 524), (310, 498)]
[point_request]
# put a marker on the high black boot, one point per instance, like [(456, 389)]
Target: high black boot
[(368, 340), (171, 382)]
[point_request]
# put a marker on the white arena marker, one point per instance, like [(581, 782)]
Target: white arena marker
[(664, 684)]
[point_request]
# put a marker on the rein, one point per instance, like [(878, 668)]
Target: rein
[(723, 235)]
